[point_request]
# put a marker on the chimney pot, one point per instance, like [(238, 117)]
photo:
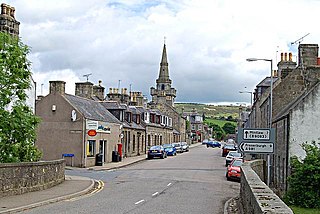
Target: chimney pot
[(286, 56), (281, 57)]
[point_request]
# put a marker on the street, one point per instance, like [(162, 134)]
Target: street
[(192, 182)]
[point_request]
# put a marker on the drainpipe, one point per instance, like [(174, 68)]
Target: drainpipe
[(84, 142), (287, 151)]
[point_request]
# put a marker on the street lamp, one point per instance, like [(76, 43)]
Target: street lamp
[(270, 107), (249, 92)]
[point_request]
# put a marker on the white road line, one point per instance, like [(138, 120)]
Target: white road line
[(139, 202), (169, 184), (156, 193)]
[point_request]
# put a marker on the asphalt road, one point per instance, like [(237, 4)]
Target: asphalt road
[(192, 182)]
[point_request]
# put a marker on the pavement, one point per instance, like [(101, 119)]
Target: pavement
[(72, 187)]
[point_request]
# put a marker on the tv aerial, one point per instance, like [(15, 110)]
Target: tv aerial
[(298, 41), (87, 76)]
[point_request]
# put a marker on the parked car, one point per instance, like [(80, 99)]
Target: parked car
[(184, 146), (156, 151), (178, 147), (227, 148), (231, 155), (170, 149), (213, 144), (205, 141), (233, 170)]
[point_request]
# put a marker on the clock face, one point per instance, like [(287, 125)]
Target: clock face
[(73, 115)]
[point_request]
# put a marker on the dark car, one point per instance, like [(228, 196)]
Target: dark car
[(233, 170), (213, 144), (170, 149), (227, 148), (156, 151)]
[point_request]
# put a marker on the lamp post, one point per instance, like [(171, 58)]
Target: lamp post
[(249, 92), (270, 108)]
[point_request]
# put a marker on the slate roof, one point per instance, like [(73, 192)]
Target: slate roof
[(91, 109), (113, 105), (266, 82)]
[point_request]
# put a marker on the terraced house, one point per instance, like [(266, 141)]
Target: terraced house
[(89, 124), (295, 112)]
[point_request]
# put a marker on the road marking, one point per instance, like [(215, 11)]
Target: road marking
[(111, 170), (96, 190), (156, 193), (169, 184), (138, 202)]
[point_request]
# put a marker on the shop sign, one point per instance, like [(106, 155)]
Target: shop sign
[(92, 125)]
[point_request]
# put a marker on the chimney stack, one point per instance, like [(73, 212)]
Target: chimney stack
[(84, 89), (57, 87), (98, 91)]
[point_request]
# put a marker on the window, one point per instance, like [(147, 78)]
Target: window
[(129, 134), (133, 143), (149, 140), (91, 148)]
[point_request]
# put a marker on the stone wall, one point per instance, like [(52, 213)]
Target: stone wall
[(256, 197), (19, 178)]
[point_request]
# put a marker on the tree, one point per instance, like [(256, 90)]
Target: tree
[(229, 128), (218, 133), (17, 121), (304, 181)]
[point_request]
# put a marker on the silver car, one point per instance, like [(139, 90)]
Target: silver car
[(184, 147), (178, 147)]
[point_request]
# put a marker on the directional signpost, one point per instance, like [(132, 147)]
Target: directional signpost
[(256, 141)]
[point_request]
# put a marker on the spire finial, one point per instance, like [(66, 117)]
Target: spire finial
[(164, 39)]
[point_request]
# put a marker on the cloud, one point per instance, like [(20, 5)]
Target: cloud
[(207, 42)]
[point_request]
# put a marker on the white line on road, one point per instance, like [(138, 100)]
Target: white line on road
[(156, 193), (139, 202), (169, 184)]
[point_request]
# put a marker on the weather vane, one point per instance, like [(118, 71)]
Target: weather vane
[(87, 76)]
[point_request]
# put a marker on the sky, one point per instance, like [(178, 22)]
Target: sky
[(120, 43)]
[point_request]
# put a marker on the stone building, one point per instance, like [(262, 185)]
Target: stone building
[(8, 22), (296, 124), (163, 98), (196, 131), (294, 111), (10, 25), (75, 128)]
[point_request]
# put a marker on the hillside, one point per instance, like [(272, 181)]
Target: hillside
[(210, 111)]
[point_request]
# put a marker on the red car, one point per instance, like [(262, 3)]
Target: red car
[(233, 170)]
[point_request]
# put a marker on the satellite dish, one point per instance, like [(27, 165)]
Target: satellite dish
[(73, 115)]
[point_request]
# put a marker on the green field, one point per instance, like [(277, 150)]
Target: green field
[(219, 122), (210, 111), (299, 210)]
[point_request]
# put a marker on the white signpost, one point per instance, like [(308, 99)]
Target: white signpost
[(250, 147), (256, 141), (249, 134)]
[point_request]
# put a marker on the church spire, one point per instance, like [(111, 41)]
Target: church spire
[(163, 93), (164, 69)]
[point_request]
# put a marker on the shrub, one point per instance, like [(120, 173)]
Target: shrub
[(304, 182)]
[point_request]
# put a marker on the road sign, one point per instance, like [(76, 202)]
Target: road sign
[(256, 134), (258, 147), (252, 140)]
